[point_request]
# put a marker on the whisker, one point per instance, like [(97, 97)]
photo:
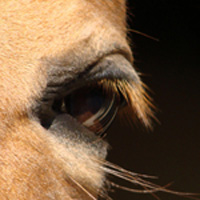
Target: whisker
[(137, 179), (133, 190), (134, 180), (147, 191), (143, 34), (82, 188), (118, 168)]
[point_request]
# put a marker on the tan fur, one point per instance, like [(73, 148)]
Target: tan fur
[(34, 36)]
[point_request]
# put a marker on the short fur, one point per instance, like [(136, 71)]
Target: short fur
[(40, 39)]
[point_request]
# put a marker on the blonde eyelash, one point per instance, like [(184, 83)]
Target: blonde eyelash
[(139, 104)]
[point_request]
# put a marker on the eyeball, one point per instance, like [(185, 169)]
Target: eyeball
[(93, 108)]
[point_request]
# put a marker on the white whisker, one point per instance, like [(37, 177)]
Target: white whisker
[(82, 188)]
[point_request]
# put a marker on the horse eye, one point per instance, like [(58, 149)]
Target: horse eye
[(93, 108)]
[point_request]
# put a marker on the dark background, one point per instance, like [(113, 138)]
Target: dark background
[(171, 69)]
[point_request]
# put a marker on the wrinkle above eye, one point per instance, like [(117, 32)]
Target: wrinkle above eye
[(82, 56), (114, 66), (64, 77)]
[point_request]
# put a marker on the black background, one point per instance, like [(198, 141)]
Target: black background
[(171, 69)]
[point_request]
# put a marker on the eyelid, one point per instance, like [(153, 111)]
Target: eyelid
[(114, 66)]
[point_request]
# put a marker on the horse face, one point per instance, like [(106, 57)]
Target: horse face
[(66, 70)]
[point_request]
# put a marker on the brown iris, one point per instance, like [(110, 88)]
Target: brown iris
[(91, 106)]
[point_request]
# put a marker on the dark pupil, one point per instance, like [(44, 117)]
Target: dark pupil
[(83, 104)]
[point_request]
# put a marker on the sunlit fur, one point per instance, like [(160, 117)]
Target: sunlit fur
[(38, 37)]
